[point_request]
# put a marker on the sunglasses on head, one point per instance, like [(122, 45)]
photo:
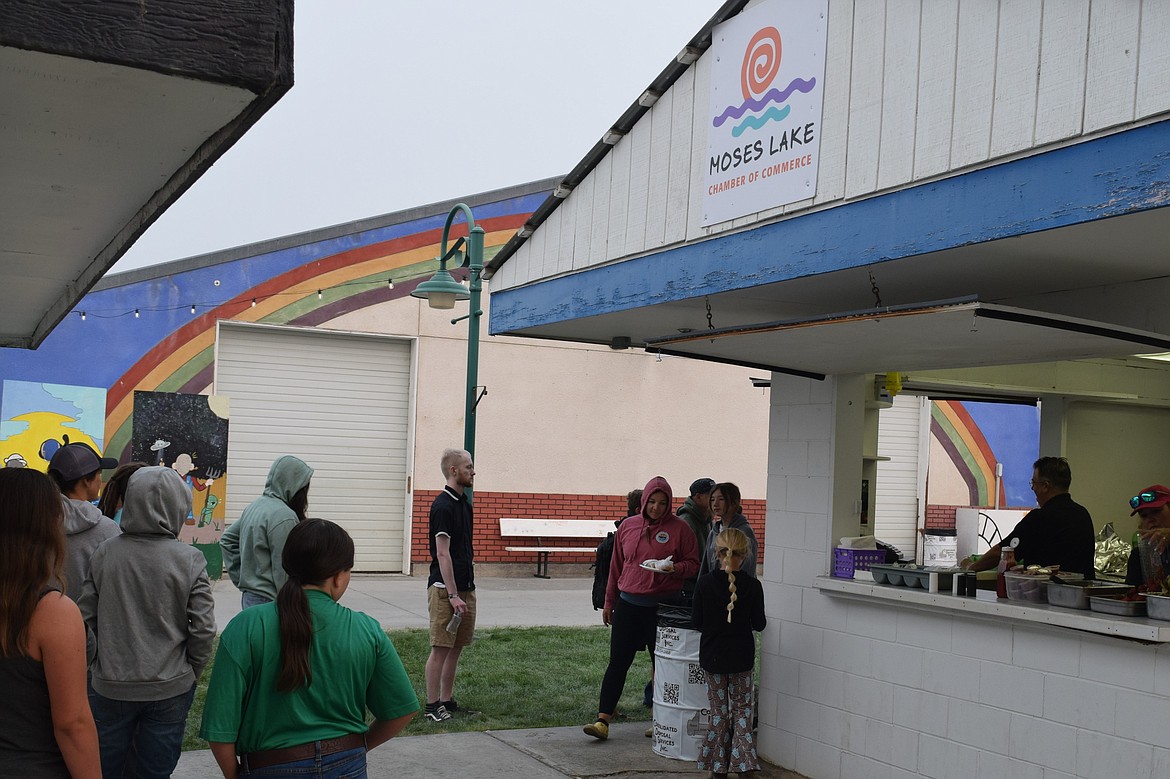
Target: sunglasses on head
[(1144, 497)]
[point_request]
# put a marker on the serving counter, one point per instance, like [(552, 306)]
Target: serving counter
[(1135, 628)]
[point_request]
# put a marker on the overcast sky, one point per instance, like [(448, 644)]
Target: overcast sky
[(400, 103)]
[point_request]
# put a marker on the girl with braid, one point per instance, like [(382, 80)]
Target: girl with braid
[(729, 606)]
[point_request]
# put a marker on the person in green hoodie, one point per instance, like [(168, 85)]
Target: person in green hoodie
[(253, 545)]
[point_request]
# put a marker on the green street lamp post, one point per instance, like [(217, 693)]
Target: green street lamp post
[(443, 290)]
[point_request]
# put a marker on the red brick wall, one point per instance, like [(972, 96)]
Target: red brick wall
[(490, 506), (941, 517)]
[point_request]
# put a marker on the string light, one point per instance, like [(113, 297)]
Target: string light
[(193, 307)]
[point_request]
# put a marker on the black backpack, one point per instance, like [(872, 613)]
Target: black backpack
[(601, 571)]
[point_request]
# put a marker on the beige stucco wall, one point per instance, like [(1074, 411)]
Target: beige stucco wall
[(572, 418)]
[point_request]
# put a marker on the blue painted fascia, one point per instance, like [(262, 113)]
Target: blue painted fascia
[(1118, 174)]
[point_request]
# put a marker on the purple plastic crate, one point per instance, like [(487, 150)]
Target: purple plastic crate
[(846, 561)]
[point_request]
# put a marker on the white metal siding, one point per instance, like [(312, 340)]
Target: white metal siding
[(914, 89), (896, 507), (341, 403)]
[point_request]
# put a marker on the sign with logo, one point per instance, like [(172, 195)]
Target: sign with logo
[(763, 137)]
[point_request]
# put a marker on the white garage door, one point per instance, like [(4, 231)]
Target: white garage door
[(341, 403), (896, 510)]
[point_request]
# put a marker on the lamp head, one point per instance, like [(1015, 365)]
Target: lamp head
[(441, 291)]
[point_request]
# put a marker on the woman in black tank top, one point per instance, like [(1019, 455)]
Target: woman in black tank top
[(42, 640)]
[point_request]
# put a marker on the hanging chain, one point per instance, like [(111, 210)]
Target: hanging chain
[(877, 295), (710, 324)]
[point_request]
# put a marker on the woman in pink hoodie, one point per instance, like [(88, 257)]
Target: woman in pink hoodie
[(654, 552)]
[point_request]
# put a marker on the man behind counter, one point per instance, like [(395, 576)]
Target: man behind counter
[(1060, 532)]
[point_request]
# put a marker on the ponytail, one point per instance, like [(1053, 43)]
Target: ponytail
[(731, 590), (731, 544), (316, 551), (296, 637)]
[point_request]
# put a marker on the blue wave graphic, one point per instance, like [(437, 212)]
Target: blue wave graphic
[(773, 96), (773, 114)]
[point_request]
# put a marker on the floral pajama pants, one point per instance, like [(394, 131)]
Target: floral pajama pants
[(730, 744)]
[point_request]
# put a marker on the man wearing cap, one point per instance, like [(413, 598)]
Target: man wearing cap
[(696, 512), (1152, 505), (1060, 532), (77, 470)]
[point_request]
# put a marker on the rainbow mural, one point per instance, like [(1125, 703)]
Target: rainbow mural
[(977, 436), (158, 334)]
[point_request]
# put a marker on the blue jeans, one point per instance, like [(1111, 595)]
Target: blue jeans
[(140, 739), (252, 599), (350, 764)]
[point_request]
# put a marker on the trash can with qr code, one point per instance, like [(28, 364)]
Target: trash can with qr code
[(681, 713)]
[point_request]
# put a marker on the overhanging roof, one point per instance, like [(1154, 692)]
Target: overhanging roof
[(926, 336), (109, 112)]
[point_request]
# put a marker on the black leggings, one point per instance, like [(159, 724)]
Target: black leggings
[(632, 628)]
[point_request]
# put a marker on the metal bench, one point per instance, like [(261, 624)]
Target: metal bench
[(541, 529)]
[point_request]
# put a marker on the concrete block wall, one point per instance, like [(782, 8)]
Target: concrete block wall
[(851, 689), (800, 468), (875, 690)]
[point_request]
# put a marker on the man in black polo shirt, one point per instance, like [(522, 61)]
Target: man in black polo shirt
[(1060, 532), (451, 585)]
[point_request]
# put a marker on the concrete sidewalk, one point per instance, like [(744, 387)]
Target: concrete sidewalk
[(545, 753), (400, 601)]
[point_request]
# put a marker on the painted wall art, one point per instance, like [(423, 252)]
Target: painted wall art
[(36, 418), (188, 433)]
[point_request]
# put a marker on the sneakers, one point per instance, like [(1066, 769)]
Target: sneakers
[(650, 732), (452, 706), (437, 712), (599, 730)]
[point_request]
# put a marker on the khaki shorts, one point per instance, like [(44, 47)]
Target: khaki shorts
[(439, 606)]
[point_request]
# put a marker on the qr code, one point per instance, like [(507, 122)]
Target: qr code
[(695, 674), (670, 693)]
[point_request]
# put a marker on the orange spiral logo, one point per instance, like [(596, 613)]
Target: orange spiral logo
[(761, 61)]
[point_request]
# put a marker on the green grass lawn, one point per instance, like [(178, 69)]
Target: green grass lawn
[(515, 677)]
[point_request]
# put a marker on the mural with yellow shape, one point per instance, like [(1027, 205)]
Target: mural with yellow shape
[(37, 418)]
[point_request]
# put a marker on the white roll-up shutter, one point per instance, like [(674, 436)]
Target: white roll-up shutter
[(896, 509), (341, 402)]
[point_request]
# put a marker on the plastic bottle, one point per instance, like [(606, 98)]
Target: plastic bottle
[(1007, 558)]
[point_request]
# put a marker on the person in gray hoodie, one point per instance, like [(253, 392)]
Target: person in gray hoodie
[(77, 471), (254, 545), (148, 601)]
